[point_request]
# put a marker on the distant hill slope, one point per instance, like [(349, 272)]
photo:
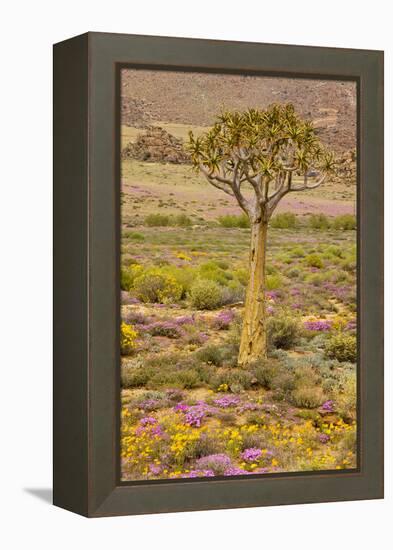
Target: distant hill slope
[(196, 98)]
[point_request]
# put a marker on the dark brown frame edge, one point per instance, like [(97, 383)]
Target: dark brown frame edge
[(86, 214)]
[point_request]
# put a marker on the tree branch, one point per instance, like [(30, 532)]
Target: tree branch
[(243, 202), (313, 186), (274, 199), (217, 181)]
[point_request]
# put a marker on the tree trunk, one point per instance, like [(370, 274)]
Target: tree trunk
[(253, 337)]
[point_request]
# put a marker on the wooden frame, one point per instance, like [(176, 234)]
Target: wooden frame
[(86, 273)]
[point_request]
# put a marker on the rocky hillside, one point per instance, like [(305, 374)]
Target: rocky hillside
[(150, 97)]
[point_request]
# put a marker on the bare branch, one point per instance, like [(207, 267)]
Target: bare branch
[(283, 189), (278, 189), (255, 181), (226, 190), (307, 187), (216, 181), (243, 202)]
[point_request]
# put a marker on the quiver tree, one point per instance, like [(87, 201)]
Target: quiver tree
[(258, 157)]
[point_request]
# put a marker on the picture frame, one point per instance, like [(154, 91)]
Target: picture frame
[(86, 406)]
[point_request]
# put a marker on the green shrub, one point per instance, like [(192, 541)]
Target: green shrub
[(252, 439), (182, 220), (316, 279), (284, 381), (129, 274), (232, 293), (175, 377), (335, 250), (273, 281), (205, 294), (314, 416), (231, 220), (286, 220), (134, 236), (126, 279), (308, 397), (188, 379), (293, 273), (314, 260), (342, 346), (154, 285), (347, 443), (339, 276), (345, 397), (319, 221), (157, 220), (264, 372), (234, 333), (162, 379), (346, 222), (349, 265), (283, 331), (184, 276), (210, 354), (207, 445), (305, 375), (236, 380), (297, 252), (134, 377), (212, 272), (239, 380)]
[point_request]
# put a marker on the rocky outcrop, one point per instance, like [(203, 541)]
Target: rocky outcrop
[(156, 145), (346, 168)]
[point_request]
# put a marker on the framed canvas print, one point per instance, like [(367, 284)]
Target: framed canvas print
[(218, 287)]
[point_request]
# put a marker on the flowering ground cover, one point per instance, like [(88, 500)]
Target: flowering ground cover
[(188, 410)]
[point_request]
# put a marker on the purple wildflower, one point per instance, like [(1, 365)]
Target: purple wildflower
[(236, 472), (148, 420), (198, 473), (181, 407), (194, 418), (164, 328), (248, 407), (251, 455), (135, 317), (151, 425), (224, 319), (318, 326), (227, 401), (351, 325), (219, 463), (150, 404), (328, 406), (155, 469), (184, 320), (324, 438)]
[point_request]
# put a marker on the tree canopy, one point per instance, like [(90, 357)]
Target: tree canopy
[(263, 149)]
